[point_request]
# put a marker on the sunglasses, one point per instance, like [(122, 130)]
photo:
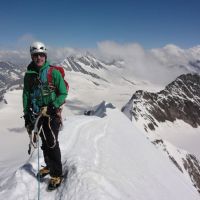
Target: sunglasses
[(39, 54)]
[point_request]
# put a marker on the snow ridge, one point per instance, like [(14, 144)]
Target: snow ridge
[(106, 158)]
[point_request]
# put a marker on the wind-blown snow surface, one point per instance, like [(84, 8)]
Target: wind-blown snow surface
[(107, 158)]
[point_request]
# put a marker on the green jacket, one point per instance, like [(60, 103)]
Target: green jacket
[(33, 78)]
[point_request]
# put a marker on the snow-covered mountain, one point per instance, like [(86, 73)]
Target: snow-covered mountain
[(92, 81), (10, 75), (106, 158), (180, 100), (84, 64), (88, 75), (187, 163)]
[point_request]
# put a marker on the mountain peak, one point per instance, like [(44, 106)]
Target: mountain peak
[(179, 100)]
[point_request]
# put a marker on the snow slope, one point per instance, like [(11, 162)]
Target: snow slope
[(107, 158), (14, 140)]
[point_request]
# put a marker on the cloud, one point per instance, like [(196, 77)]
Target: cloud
[(143, 63), (14, 56), (18, 52), (56, 54), (156, 65)]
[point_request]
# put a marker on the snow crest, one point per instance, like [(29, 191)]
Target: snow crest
[(106, 158)]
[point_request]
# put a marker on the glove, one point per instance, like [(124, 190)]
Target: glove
[(51, 110), (28, 122), (35, 138)]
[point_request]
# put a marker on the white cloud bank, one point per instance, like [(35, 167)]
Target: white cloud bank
[(15, 56), (156, 65)]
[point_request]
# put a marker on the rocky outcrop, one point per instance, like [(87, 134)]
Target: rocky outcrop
[(179, 100)]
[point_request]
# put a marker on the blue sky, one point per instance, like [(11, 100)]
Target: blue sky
[(82, 24)]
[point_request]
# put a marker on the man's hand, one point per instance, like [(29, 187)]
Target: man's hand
[(26, 119), (28, 122), (35, 138)]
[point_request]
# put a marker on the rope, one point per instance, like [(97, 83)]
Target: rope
[(38, 145), (38, 142), (54, 137)]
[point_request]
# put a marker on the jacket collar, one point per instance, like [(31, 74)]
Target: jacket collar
[(33, 67)]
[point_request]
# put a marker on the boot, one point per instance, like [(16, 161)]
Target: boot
[(43, 172), (55, 182)]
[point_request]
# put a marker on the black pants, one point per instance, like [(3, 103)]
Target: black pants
[(50, 144)]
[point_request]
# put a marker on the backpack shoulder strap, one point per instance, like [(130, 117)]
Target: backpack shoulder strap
[(49, 76)]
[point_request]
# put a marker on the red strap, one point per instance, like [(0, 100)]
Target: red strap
[(49, 75)]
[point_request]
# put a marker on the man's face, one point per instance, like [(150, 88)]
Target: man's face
[(39, 59)]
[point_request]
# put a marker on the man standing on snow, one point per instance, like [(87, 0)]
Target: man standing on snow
[(40, 98)]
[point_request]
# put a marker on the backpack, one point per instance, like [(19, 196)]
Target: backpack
[(49, 77)]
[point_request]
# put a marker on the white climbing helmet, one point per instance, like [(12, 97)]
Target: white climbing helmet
[(38, 47)]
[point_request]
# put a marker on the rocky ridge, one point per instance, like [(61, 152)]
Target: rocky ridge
[(179, 100)]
